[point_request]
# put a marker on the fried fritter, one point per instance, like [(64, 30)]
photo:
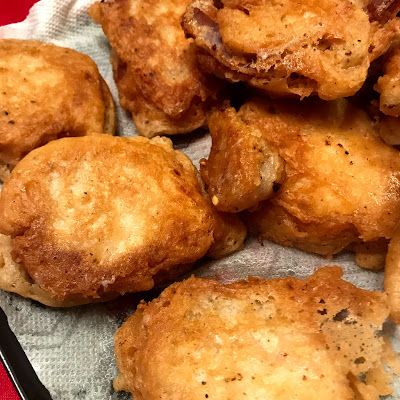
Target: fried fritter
[(155, 65), (381, 10), (242, 167), (258, 339), (313, 175), (389, 129), (13, 278), (388, 85), (289, 47), (48, 92), (229, 234), (94, 217), (387, 126)]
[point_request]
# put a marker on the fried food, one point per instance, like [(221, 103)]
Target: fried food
[(392, 277), (387, 126), (382, 10), (229, 234), (334, 182), (155, 65), (290, 47), (371, 255), (242, 168), (258, 339), (48, 92), (93, 217), (13, 278), (388, 85), (389, 129)]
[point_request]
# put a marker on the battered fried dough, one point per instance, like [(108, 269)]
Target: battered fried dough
[(154, 65), (382, 10), (340, 183), (92, 218), (289, 47), (47, 92), (388, 85), (389, 129), (13, 278), (255, 339), (242, 167), (229, 234)]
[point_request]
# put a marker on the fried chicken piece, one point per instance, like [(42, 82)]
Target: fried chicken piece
[(340, 183), (91, 218), (289, 47), (258, 339), (155, 65), (48, 92)]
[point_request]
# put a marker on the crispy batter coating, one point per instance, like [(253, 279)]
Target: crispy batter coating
[(387, 126), (371, 255), (392, 277), (258, 339), (242, 167), (289, 47), (340, 185), (13, 278), (389, 129), (95, 217), (382, 10), (48, 92), (388, 85), (229, 234), (155, 65)]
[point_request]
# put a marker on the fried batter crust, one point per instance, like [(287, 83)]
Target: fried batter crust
[(103, 215), (256, 339), (47, 92), (14, 279), (155, 65), (341, 183), (388, 85), (242, 168), (382, 10), (229, 234), (289, 47)]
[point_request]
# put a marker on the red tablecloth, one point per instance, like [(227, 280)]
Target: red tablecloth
[(14, 10), (7, 390)]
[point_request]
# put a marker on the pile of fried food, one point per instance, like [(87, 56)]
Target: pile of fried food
[(302, 102)]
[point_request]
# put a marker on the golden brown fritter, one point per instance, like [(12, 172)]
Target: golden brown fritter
[(389, 129), (289, 47), (392, 277), (48, 92), (229, 234), (98, 216), (381, 10), (387, 126), (155, 65), (340, 183), (388, 85), (242, 167), (258, 339), (13, 278)]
